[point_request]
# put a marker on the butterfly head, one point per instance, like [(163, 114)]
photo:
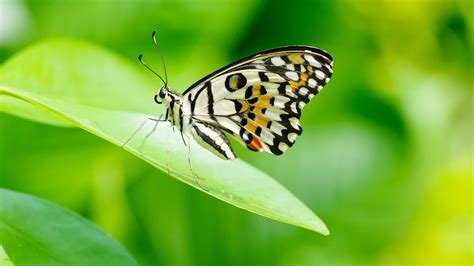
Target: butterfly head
[(165, 95), (162, 95)]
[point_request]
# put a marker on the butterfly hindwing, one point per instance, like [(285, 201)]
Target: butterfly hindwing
[(259, 99)]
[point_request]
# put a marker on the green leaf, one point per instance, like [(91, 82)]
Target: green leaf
[(37, 232), (85, 86), (4, 259)]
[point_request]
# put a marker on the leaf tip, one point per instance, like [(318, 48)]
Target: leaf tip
[(320, 227), (325, 232)]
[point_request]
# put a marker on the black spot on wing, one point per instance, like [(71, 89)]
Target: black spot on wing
[(253, 100), (282, 88), (235, 81), (248, 92), (275, 150), (272, 101), (252, 116), (286, 59), (263, 77), (238, 106)]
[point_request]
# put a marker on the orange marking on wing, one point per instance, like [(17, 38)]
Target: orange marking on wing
[(263, 101), (256, 89), (250, 127), (262, 120), (255, 144), (295, 85), (296, 58), (245, 105), (233, 82), (304, 77)]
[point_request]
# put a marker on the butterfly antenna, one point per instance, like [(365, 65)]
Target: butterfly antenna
[(153, 36), (143, 63)]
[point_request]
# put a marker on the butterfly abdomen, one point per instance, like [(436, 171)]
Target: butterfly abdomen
[(212, 139)]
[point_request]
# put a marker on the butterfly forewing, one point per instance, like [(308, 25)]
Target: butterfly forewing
[(259, 99)]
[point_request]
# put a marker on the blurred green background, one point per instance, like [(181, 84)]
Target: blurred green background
[(386, 159)]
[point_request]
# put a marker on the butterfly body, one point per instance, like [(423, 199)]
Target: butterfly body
[(179, 113), (258, 100)]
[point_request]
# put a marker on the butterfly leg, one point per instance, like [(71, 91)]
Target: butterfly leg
[(168, 151), (151, 132), (196, 177), (140, 127), (134, 133)]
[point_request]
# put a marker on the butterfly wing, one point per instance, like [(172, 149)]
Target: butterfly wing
[(259, 99)]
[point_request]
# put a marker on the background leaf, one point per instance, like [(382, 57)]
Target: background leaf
[(103, 94), (36, 232)]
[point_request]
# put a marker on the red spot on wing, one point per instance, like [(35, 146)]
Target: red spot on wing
[(255, 144)]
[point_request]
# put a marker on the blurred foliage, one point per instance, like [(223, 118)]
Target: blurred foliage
[(386, 156), (36, 232)]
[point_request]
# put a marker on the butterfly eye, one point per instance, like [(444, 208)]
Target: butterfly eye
[(162, 93), (157, 99)]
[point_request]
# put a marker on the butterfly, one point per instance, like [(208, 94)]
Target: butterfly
[(257, 100)]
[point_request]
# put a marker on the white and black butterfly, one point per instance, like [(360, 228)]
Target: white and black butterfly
[(258, 100)]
